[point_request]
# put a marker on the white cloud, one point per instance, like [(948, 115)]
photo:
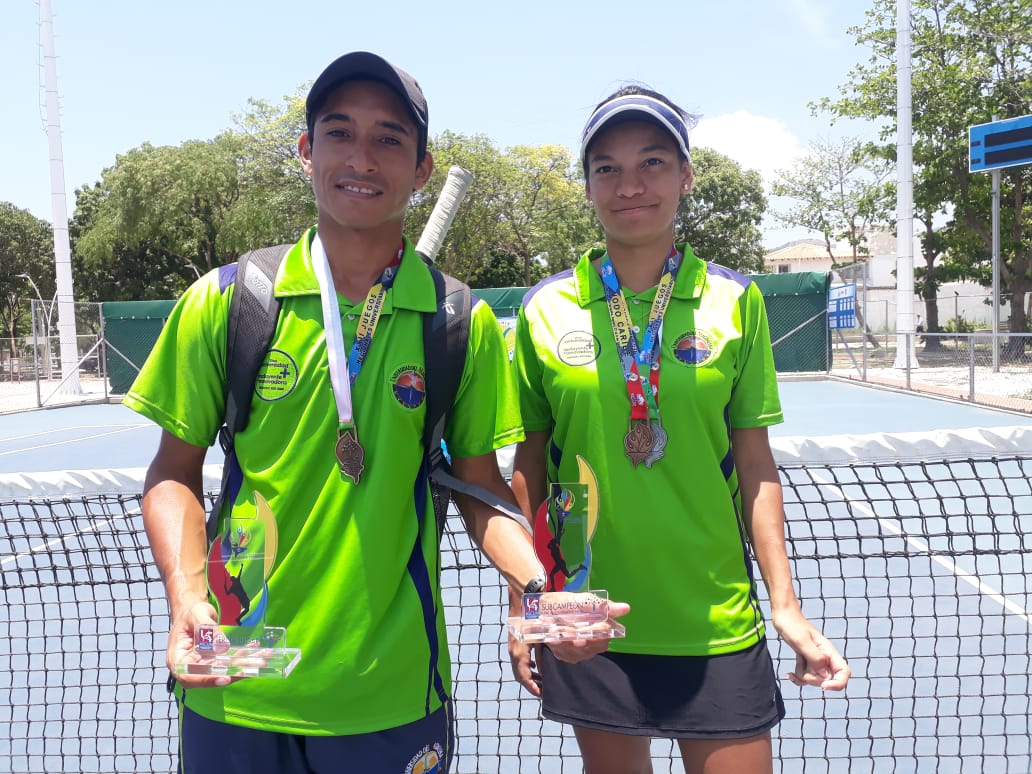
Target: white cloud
[(756, 142)]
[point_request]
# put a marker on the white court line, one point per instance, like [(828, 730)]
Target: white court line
[(53, 430), (969, 578), (59, 540), (70, 440)]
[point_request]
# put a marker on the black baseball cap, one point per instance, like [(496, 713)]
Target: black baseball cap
[(363, 65)]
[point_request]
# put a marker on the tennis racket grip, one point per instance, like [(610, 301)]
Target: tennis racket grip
[(452, 193)]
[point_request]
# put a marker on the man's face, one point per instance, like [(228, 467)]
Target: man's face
[(362, 157)]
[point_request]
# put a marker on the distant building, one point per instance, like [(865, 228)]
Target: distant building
[(966, 299)]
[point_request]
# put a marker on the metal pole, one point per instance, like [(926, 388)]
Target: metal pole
[(971, 367), (866, 324), (996, 269), (62, 248), (906, 352), (35, 346)]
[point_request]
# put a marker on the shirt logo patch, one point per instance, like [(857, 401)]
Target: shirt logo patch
[(694, 348), (429, 760), (409, 387), (578, 348), (277, 377)]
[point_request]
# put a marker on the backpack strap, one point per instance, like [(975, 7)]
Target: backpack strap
[(253, 314), (445, 342)]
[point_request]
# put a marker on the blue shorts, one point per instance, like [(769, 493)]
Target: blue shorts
[(728, 696), (425, 746)]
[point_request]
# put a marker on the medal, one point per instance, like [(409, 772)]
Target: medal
[(646, 439), (345, 367), (658, 444), (350, 454), (639, 442)]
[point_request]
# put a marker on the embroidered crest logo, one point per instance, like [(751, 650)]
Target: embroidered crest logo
[(408, 386), (429, 760), (694, 348)]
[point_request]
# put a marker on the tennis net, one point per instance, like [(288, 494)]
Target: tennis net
[(913, 552)]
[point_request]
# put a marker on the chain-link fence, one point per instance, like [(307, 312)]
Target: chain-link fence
[(972, 367), (115, 338), (957, 361), (35, 371)]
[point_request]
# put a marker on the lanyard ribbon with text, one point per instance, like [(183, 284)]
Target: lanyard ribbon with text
[(343, 372), (646, 439)]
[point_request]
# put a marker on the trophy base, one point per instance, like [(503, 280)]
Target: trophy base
[(562, 616), (533, 632), (243, 662), (240, 651)]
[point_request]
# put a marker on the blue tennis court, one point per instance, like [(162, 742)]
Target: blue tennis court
[(909, 548), (112, 436)]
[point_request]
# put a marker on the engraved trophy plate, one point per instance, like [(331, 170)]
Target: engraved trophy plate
[(565, 616), (240, 651)]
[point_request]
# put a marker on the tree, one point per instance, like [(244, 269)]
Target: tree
[(721, 217), (526, 207), (26, 251), (841, 189), (272, 170), (121, 273), (971, 60), (192, 207)]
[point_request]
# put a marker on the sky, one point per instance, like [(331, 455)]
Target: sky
[(522, 73)]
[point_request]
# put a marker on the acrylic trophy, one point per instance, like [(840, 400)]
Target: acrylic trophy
[(568, 609), (240, 645), (563, 616)]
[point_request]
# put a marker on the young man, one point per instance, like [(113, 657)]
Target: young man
[(329, 494)]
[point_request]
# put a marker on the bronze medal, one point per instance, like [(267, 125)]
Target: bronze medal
[(658, 444), (639, 441), (350, 454)]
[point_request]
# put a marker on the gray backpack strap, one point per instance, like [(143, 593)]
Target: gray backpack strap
[(253, 314), (445, 341)]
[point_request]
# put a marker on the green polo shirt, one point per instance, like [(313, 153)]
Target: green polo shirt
[(667, 539), (342, 573)]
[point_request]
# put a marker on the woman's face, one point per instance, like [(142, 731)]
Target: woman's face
[(635, 179)]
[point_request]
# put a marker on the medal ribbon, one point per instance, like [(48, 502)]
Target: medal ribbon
[(343, 372), (634, 359)]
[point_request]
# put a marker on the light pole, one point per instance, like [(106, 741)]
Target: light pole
[(47, 311)]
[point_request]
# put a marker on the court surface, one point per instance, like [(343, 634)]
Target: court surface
[(112, 436), (936, 630)]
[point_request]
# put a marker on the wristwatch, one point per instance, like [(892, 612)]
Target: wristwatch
[(536, 584)]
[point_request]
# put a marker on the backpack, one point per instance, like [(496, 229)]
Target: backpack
[(253, 315)]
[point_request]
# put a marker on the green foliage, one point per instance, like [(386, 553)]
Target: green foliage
[(722, 215), (161, 216), (959, 325), (525, 205), (125, 273), (841, 189), (503, 270), (26, 251), (971, 61), (271, 170)]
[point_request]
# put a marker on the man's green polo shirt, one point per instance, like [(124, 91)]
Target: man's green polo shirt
[(342, 580)]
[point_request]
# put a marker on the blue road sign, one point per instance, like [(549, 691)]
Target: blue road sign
[(1006, 143), (842, 306)]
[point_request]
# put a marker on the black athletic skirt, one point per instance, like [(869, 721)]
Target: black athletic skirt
[(728, 696)]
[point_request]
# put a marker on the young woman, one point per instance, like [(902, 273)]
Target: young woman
[(647, 374)]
